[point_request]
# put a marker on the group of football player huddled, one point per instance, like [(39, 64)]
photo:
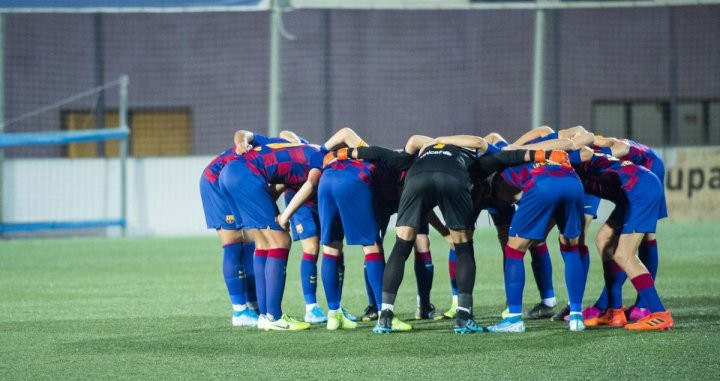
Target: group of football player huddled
[(347, 190)]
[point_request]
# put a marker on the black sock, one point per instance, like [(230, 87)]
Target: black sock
[(395, 268), (465, 273), (424, 276)]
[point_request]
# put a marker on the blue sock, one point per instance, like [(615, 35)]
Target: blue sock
[(275, 271), (424, 271), (372, 301), (331, 281), (585, 258), (602, 302), (645, 286), (514, 279), (542, 269), (614, 280), (248, 256), (374, 268), (308, 277), (259, 264), (234, 273), (574, 276), (452, 268), (341, 274), (648, 254)]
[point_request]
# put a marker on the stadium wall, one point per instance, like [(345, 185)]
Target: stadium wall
[(385, 73), (163, 197)]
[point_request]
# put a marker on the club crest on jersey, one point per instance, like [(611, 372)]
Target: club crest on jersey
[(439, 146), (299, 228), (625, 163), (229, 219)]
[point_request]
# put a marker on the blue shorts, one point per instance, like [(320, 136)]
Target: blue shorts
[(658, 169), (346, 209), (641, 210), (218, 214), (249, 196), (551, 198), (591, 203), (305, 223)]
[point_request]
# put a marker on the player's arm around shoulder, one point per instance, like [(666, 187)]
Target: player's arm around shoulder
[(242, 140), (345, 137), (417, 143), (572, 132), (578, 134), (291, 137), (581, 155), (535, 133), (553, 144), (467, 141), (612, 146)]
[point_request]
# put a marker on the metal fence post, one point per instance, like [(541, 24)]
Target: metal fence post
[(275, 90), (123, 116), (538, 101)]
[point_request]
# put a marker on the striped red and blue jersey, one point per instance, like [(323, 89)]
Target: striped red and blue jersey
[(291, 192), (385, 181), (283, 163), (212, 170), (524, 176), (363, 169), (608, 177), (641, 155), (377, 173)]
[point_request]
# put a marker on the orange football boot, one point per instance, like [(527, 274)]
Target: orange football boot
[(611, 317), (656, 321)]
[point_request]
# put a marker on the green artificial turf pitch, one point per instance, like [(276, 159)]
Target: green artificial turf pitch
[(157, 308)]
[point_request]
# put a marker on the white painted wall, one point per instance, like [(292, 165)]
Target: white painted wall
[(163, 196)]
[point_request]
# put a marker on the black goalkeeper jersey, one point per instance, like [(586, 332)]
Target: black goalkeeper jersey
[(456, 161), (447, 158)]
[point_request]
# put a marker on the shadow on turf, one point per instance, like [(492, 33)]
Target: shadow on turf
[(154, 336), (210, 335)]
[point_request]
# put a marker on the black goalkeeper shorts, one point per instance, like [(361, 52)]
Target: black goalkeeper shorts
[(424, 190)]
